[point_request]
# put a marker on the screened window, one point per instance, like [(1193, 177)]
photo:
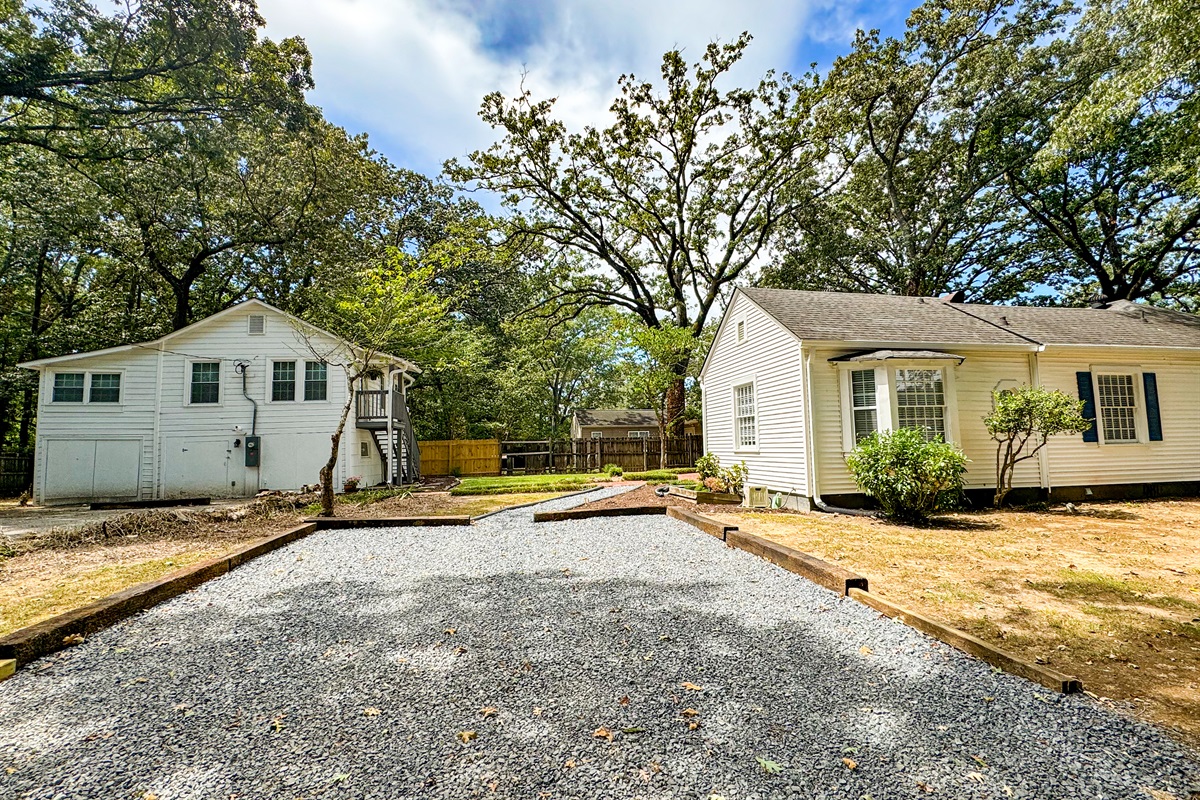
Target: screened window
[(283, 381), (206, 382), (68, 387), (747, 436), (863, 405), (639, 434), (316, 381), (1117, 404), (105, 387), (921, 401)]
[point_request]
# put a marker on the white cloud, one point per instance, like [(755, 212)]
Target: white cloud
[(412, 72)]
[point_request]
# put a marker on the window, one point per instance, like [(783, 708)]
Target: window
[(1117, 403), (921, 401), (316, 382), (256, 324), (863, 404), (68, 387), (105, 387), (206, 382), (364, 449), (283, 381), (741, 330), (745, 422), (597, 434), (639, 434)]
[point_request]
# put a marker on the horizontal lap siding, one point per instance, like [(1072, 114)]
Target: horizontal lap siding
[(1074, 462), (769, 356), (974, 380)]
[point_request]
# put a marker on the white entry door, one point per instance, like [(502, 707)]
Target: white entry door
[(195, 467)]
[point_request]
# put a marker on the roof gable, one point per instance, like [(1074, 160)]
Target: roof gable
[(621, 417)]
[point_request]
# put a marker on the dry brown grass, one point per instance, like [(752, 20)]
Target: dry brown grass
[(1111, 594)]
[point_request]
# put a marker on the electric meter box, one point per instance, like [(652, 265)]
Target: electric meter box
[(253, 450)]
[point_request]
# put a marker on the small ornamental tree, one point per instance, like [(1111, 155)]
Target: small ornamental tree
[(1021, 422), (908, 475)]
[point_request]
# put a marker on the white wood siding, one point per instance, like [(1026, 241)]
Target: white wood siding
[(1074, 462), (770, 358), (197, 450)]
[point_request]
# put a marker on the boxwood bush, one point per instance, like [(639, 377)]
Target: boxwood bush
[(909, 476)]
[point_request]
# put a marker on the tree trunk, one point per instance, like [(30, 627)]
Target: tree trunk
[(676, 399), (335, 444)]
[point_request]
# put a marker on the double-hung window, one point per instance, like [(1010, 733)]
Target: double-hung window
[(105, 387), (316, 380), (639, 434), (68, 387), (1116, 401), (864, 403), (746, 423), (283, 381), (206, 382), (921, 402)]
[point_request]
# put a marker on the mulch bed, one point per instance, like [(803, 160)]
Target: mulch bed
[(645, 496)]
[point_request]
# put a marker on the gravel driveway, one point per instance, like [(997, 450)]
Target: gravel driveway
[(630, 657)]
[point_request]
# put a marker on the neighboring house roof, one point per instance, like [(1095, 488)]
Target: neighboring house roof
[(848, 317), (624, 417), (243, 306)]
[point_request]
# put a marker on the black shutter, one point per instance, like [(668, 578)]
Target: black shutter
[(1084, 381), (1153, 419)]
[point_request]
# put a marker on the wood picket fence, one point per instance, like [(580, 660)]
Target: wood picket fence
[(461, 456), (584, 455)]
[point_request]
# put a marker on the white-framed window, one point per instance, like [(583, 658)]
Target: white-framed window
[(1117, 407), (256, 324), (745, 414), (741, 330), (283, 381), (639, 434), (316, 380), (204, 383), (101, 388), (864, 404), (597, 435), (68, 387), (921, 401)]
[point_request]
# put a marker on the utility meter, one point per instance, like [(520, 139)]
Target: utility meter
[(253, 448)]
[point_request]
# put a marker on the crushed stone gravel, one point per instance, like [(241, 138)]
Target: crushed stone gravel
[(605, 658)]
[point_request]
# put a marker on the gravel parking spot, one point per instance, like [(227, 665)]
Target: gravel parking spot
[(603, 658)]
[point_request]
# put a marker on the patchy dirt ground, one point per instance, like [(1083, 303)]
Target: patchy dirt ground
[(1110, 594), (439, 504), (646, 496)]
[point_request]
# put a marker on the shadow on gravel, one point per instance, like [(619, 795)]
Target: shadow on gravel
[(515, 685)]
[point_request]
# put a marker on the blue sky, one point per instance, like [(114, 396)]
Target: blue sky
[(411, 73)]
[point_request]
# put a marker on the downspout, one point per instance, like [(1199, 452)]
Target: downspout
[(392, 456), (159, 490), (811, 452), (242, 367)]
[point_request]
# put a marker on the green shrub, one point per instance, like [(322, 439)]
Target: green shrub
[(909, 476), (721, 479), (613, 470), (653, 476), (456, 472), (708, 465)]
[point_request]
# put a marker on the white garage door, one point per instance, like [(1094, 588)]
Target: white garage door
[(93, 469)]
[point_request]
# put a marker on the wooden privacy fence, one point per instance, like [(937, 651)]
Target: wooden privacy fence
[(583, 455), (464, 456), (16, 474)]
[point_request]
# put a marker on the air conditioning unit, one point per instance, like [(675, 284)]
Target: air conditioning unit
[(756, 497)]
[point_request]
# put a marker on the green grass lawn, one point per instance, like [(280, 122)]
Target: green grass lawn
[(508, 484)]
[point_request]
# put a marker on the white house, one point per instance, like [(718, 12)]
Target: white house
[(794, 378), (241, 401)]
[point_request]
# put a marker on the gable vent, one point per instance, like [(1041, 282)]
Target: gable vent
[(257, 324)]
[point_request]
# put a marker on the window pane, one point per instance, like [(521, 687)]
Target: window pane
[(106, 388), (206, 382), (862, 385), (865, 423), (68, 387), (1117, 403), (920, 401), (283, 380), (315, 380), (744, 401)]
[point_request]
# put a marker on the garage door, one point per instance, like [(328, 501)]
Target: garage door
[(93, 469), (195, 467)]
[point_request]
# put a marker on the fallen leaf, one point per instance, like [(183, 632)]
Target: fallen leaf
[(570, 764), (149, 796), (493, 785), (450, 631), (979, 761), (691, 686), (489, 711), (693, 725), (633, 730), (770, 767), (624, 700), (74, 638), (1158, 794), (602, 733), (370, 712), (975, 776), (924, 787), (467, 736), (866, 651), (341, 777), (9, 770), (537, 711), (850, 763), (689, 712)]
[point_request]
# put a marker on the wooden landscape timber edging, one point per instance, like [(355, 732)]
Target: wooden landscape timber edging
[(588, 513), (8, 668), (45, 637), (340, 523), (138, 504), (709, 526), (970, 645), (831, 576)]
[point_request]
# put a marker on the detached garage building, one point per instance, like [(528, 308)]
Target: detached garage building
[(241, 401)]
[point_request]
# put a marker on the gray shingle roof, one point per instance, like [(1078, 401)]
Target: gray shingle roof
[(842, 316), (616, 416)]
